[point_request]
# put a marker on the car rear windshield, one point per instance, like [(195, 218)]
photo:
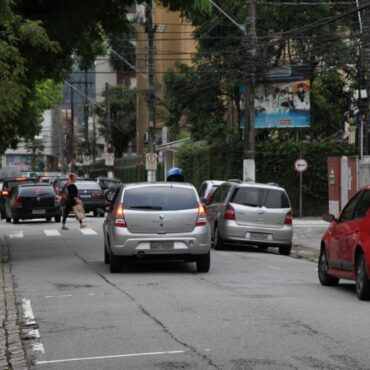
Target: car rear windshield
[(35, 191), (88, 186), (256, 197), (10, 184), (162, 198)]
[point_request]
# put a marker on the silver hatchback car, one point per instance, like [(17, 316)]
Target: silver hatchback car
[(251, 213), (157, 220)]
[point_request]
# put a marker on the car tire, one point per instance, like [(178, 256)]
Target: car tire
[(203, 262), (322, 269), (106, 255), (96, 213), (362, 281), (218, 241), (263, 248), (48, 219), (115, 263), (2, 215), (285, 250), (15, 221), (8, 219), (57, 219)]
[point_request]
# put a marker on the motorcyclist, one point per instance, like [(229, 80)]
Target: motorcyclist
[(175, 174)]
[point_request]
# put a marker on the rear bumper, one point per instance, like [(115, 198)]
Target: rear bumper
[(124, 243), (231, 231), (29, 213), (94, 205)]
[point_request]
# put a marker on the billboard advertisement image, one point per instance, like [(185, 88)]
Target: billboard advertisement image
[(280, 104)]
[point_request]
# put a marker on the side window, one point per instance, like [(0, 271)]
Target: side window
[(362, 205), (202, 190), (347, 213), (219, 195)]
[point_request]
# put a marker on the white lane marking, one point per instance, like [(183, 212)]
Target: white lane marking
[(16, 234), (65, 295), (29, 323), (108, 357), (29, 317), (52, 233), (91, 294), (88, 231), (38, 347)]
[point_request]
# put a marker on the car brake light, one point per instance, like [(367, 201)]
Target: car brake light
[(229, 213), (288, 218), (18, 201), (202, 217), (208, 198), (120, 217), (5, 193), (97, 196)]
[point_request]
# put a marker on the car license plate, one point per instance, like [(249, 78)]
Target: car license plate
[(38, 211), (258, 236), (85, 196), (161, 245)]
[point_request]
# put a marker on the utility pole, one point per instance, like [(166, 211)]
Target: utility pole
[(108, 121), (364, 88), (250, 43), (151, 91), (86, 116), (72, 134)]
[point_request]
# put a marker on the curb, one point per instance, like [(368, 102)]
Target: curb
[(12, 353)]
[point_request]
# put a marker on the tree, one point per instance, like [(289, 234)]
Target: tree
[(122, 101), (221, 52)]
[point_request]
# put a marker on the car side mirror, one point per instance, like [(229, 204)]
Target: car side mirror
[(328, 217)]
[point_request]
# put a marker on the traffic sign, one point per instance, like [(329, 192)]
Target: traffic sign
[(109, 159), (300, 165), (151, 161)]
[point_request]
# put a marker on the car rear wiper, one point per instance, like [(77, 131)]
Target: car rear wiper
[(157, 208)]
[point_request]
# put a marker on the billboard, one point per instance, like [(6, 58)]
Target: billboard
[(280, 104)]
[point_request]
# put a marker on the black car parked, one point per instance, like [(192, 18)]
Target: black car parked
[(8, 185), (32, 201)]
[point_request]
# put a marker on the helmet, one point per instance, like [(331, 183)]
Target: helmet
[(175, 174)]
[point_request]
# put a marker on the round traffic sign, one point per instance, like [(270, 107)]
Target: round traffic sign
[(300, 165), (151, 158)]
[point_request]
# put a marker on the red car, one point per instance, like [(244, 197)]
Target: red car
[(345, 247)]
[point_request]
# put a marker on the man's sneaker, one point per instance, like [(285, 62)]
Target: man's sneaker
[(64, 227)]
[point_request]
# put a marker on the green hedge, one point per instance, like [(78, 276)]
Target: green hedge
[(274, 163)]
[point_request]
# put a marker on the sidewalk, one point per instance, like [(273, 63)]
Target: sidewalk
[(307, 237), (12, 355)]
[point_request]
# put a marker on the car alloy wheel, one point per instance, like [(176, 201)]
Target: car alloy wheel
[(323, 267), (362, 281)]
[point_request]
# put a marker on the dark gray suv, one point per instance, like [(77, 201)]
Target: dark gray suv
[(251, 213)]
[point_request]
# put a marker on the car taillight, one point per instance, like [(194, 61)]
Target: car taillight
[(202, 217), (208, 198), (288, 218), (18, 201), (5, 193), (229, 213), (120, 217), (97, 196), (57, 189)]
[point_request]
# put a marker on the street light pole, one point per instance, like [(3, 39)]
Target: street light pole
[(151, 91), (250, 41)]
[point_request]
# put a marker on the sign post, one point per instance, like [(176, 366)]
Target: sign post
[(300, 165), (151, 161)]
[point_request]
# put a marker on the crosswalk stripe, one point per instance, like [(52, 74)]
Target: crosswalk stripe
[(52, 233), (88, 231), (16, 234)]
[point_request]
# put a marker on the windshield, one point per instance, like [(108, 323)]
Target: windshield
[(160, 198)]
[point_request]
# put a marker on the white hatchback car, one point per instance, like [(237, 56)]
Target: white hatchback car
[(157, 220)]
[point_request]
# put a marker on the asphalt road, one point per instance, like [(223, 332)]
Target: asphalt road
[(253, 310)]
